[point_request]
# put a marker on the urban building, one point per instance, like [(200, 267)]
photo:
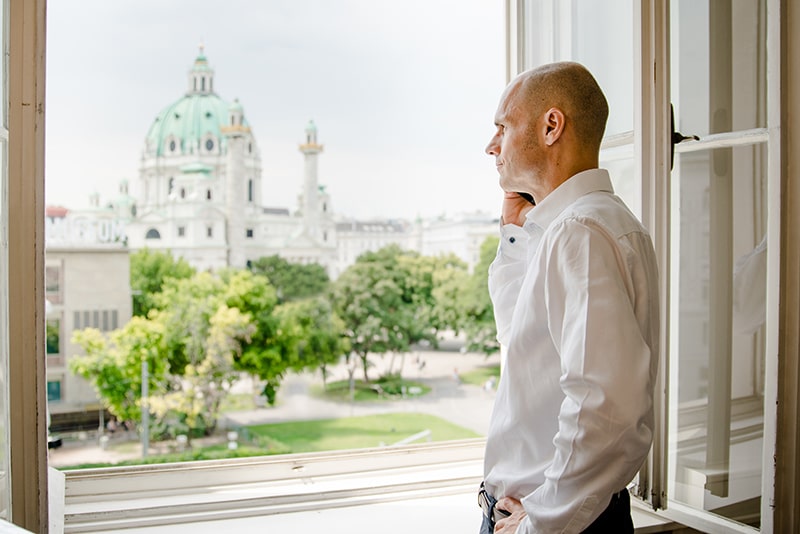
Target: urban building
[(87, 284)]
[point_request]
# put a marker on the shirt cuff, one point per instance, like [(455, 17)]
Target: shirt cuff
[(513, 241), (525, 526)]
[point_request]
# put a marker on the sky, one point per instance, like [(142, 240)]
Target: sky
[(403, 93)]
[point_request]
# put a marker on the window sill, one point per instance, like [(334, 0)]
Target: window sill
[(100, 500), (395, 490)]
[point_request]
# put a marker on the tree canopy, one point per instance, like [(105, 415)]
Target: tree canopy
[(394, 298), (292, 281), (198, 331), (150, 269), (479, 324), (113, 364)]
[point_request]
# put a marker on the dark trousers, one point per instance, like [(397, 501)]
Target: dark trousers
[(615, 518)]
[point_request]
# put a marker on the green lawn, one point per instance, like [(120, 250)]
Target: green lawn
[(384, 388), (313, 436), (213, 452), (358, 432), (480, 375)]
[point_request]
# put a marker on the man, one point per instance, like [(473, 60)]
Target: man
[(574, 288)]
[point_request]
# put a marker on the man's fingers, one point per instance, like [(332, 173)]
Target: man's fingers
[(508, 504)]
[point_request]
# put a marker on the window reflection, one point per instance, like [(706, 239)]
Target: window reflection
[(719, 370)]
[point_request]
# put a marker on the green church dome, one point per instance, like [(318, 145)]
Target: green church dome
[(194, 120)]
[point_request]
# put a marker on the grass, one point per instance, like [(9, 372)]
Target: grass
[(213, 452), (384, 388), (358, 432), (312, 436), (480, 375)]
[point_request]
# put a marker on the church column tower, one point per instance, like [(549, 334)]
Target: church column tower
[(311, 211), (236, 134)]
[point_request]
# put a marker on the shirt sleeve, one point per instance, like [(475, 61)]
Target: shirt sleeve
[(505, 276), (605, 420)]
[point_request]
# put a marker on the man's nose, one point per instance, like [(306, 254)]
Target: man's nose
[(493, 148)]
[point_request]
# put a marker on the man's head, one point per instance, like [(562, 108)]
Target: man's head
[(550, 123)]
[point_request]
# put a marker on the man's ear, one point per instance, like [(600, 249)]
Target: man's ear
[(554, 121)]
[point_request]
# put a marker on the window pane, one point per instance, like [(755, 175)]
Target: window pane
[(620, 165), (53, 337), (453, 46), (718, 349), (602, 39), (54, 391), (53, 284), (719, 65)]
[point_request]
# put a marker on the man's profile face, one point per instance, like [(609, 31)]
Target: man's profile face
[(515, 147)]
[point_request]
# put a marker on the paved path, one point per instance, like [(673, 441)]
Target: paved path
[(463, 404)]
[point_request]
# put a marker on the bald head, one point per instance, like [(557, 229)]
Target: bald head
[(571, 88)]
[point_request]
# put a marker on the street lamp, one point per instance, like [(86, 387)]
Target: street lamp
[(145, 409)]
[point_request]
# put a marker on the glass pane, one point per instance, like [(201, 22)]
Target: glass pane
[(619, 162), (86, 287), (53, 337), (718, 81), (717, 337), (596, 34), (610, 23)]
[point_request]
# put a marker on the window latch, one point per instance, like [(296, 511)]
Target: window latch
[(676, 137)]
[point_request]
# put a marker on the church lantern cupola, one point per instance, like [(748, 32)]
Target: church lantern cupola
[(201, 77)]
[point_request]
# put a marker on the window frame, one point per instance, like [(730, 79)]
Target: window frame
[(27, 386), (23, 215), (5, 449)]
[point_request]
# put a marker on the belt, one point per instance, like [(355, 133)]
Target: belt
[(487, 504)]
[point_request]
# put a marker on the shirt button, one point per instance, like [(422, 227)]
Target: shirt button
[(512, 239)]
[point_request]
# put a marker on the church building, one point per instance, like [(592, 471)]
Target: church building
[(200, 188)]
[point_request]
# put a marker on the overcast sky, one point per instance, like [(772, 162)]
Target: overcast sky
[(403, 93)]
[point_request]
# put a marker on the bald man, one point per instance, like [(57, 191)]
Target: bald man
[(575, 295)]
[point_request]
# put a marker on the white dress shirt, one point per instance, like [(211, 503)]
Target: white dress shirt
[(575, 294)]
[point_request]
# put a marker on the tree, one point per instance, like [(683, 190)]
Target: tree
[(150, 269), (311, 334), (189, 305), (292, 281), (438, 283), (113, 364), (479, 324), (203, 385), (185, 307), (204, 331), (380, 300)]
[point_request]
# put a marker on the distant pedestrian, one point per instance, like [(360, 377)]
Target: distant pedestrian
[(489, 384)]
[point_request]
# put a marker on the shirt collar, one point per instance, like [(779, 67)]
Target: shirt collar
[(568, 192)]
